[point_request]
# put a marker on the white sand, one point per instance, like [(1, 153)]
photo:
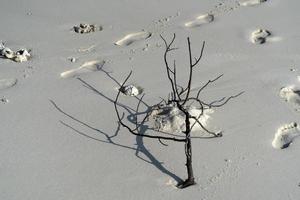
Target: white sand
[(46, 154)]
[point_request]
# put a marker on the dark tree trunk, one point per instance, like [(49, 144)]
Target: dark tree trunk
[(188, 153)]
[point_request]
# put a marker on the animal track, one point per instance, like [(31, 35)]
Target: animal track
[(291, 95), (285, 135), (260, 36), (251, 2), (89, 66), (133, 37), (7, 83), (224, 6), (28, 71), (200, 20)]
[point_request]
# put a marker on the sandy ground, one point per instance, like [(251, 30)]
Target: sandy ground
[(66, 152)]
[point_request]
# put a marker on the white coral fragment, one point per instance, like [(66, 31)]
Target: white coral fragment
[(18, 56)]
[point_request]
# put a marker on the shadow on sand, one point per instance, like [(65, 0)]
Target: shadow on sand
[(109, 138)]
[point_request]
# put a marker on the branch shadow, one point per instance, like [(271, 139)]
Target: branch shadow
[(140, 150), (108, 138)]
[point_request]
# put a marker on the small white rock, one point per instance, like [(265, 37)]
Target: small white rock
[(8, 53), (18, 56), (130, 90), (259, 36), (4, 100), (73, 59), (21, 55)]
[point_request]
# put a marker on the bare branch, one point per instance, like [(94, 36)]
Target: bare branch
[(201, 53), (137, 110), (170, 44), (133, 131), (168, 49), (227, 100), (163, 100), (205, 85), (188, 88), (161, 142), (178, 97), (205, 129), (175, 81)]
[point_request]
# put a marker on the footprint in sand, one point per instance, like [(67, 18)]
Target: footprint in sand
[(7, 83), (200, 20), (285, 135), (291, 94), (260, 36), (133, 37), (89, 66), (251, 2)]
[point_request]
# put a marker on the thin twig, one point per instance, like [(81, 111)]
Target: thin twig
[(227, 100), (133, 130), (205, 85)]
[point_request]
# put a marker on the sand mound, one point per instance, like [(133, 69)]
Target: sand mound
[(172, 120)]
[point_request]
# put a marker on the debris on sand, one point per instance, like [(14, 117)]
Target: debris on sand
[(18, 56), (87, 28), (131, 90)]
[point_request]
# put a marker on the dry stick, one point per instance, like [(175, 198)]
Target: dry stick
[(188, 145), (133, 130), (175, 81), (196, 59), (188, 149), (147, 115), (226, 101), (168, 49), (181, 106), (161, 142), (191, 67), (137, 110), (205, 85), (180, 103), (175, 98), (210, 132), (189, 82), (201, 54)]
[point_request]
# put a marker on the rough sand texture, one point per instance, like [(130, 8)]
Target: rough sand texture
[(59, 137)]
